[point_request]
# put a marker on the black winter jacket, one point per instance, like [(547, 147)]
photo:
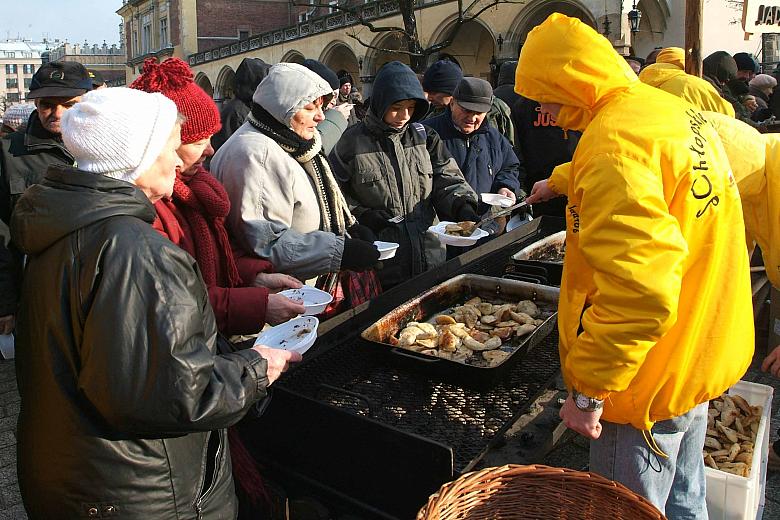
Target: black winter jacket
[(24, 159), (543, 146), (123, 398), (485, 157)]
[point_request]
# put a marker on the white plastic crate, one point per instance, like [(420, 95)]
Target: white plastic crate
[(731, 497)]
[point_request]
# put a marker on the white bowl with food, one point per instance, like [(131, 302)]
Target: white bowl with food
[(457, 233), (314, 300), (386, 249), (494, 199), (296, 335)]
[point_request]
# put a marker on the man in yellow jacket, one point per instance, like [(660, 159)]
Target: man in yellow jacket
[(655, 316), (668, 73)]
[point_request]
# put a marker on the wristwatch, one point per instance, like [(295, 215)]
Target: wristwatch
[(585, 403)]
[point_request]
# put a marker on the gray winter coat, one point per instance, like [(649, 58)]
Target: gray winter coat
[(273, 205), (405, 172)]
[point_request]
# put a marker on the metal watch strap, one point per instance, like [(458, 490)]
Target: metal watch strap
[(586, 403)]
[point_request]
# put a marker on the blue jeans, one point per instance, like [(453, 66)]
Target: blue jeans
[(676, 486)]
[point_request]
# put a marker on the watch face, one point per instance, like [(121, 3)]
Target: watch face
[(582, 401)]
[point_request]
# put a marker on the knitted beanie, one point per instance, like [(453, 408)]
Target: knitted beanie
[(16, 116), (118, 132), (323, 71), (443, 76), (763, 81), (173, 78), (746, 62)]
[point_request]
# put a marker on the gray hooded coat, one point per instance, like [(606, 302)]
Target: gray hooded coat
[(273, 204)]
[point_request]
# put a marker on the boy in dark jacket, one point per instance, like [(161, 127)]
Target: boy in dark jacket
[(392, 167)]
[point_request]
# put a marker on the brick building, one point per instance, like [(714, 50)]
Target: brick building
[(164, 28), (108, 61)]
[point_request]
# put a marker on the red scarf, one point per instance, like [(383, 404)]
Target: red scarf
[(202, 203)]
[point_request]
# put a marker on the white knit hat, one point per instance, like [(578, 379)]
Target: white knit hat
[(118, 132)]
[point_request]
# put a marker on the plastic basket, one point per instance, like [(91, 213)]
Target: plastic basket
[(536, 493)]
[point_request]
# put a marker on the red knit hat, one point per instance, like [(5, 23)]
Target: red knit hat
[(173, 78)]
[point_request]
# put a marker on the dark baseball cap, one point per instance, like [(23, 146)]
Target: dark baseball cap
[(96, 77), (474, 94), (60, 79)]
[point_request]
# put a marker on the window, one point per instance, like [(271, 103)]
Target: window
[(12, 97), (28, 69), (243, 35), (146, 34), (11, 83), (27, 82), (135, 43), (163, 32), (10, 69)]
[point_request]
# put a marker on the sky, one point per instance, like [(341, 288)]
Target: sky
[(96, 20), (74, 20)]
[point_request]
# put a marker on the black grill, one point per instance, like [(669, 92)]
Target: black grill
[(351, 378), (367, 435)]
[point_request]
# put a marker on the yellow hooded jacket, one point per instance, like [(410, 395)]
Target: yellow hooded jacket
[(655, 313), (755, 161), (668, 73)]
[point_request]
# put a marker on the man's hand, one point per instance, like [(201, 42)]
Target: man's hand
[(276, 281), (278, 360), (281, 308), (585, 423), (506, 192), (345, 109), (771, 363), (541, 192), (7, 324)]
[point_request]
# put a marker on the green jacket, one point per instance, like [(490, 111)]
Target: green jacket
[(408, 173)]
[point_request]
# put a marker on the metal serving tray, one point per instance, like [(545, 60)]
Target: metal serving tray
[(454, 292)]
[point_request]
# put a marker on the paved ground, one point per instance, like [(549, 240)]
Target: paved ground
[(10, 500)]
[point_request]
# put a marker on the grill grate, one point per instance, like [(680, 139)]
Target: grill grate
[(353, 378)]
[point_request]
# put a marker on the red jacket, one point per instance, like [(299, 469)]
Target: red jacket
[(238, 310)]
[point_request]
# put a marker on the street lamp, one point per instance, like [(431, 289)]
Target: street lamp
[(634, 15), (500, 42)]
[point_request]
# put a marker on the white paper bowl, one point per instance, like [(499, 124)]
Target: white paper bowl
[(494, 199), (386, 249), (452, 240), (296, 335), (314, 300)]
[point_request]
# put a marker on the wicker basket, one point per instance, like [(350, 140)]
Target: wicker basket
[(535, 492)]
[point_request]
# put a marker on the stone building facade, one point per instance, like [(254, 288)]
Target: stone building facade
[(109, 61), (164, 28), (480, 47)]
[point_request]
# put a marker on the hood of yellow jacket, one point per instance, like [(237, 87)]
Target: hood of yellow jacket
[(566, 62), (657, 74), (673, 56)]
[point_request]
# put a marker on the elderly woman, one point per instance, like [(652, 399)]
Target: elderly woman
[(124, 400), (286, 204), (193, 218)]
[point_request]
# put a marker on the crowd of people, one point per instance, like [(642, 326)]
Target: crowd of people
[(146, 229)]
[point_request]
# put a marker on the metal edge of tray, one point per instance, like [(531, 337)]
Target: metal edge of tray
[(531, 248), (411, 311)]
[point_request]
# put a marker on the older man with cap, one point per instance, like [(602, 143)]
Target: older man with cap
[(24, 158), (483, 155)]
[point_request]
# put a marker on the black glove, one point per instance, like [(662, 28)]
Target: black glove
[(376, 219), (465, 209), (361, 232), (359, 255)]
